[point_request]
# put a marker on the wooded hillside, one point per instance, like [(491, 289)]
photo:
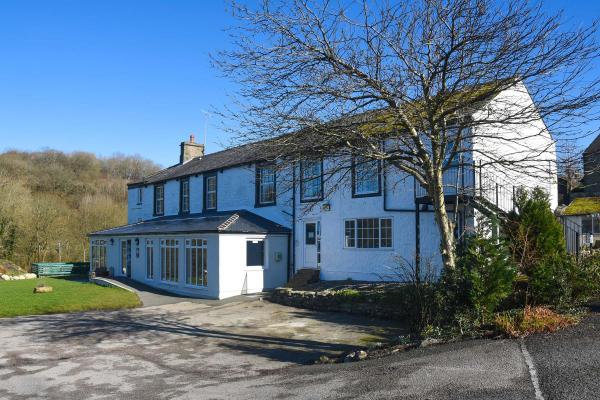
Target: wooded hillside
[(50, 200)]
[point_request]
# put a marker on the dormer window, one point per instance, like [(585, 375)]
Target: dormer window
[(210, 192), (159, 199), (265, 185), (184, 196)]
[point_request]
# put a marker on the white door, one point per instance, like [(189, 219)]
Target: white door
[(312, 244)]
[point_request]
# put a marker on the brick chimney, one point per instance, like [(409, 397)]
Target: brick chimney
[(190, 150)]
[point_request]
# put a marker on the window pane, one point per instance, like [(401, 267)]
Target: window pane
[(350, 233), (366, 176), (255, 252), (367, 232), (311, 233), (386, 232), (311, 180), (266, 184)]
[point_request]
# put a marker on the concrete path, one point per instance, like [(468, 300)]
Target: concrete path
[(152, 297)]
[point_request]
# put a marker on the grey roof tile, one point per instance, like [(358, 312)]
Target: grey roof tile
[(236, 221)]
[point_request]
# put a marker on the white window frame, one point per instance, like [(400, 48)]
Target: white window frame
[(150, 259), (360, 169), (159, 200), (355, 237), (167, 259), (98, 256), (185, 196), (265, 185), (140, 195), (310, 178), (200, 247), (209, 192)]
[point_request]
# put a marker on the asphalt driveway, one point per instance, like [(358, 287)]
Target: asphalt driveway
[(254, 349), (168, 350)]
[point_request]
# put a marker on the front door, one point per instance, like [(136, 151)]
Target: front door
[(126, 258), (312, 244)]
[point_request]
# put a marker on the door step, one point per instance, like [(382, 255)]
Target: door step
[(304, 277)]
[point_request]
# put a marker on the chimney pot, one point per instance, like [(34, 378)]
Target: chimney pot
[(192, 138)]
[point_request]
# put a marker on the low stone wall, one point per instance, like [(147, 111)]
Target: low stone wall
[(329, 301)]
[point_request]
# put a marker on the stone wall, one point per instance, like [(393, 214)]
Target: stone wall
[(329, 301)]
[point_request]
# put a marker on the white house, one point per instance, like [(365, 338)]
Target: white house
[(221, 224)]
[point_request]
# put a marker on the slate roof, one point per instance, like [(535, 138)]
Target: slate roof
[(210, 162), (236, 221), (594, 147)]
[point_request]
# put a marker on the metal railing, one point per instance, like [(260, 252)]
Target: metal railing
[(472, 181)]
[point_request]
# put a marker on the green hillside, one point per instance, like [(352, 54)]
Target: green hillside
[(50, 200)]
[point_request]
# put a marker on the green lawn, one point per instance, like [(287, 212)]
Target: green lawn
[(17, 297)]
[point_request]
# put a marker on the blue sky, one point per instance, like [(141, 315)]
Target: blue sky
[(126, 76)]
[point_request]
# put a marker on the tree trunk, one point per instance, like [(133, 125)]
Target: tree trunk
[(444, 223)]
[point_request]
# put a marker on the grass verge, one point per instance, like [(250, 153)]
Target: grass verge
[(17, 297)]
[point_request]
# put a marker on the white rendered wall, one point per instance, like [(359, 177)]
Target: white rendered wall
[(525, 143), (236, 278)]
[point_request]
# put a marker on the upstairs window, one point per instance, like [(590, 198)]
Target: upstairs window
[(368, 233), (265, 185), (311, 180), (184, 196), (210, 192), (140, 195), (365, 177), (159, 199)]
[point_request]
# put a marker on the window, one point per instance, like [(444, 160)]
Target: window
[(265, 185), (365, 177), (149, 259), (140, 195), (311, 182), (311, 233), (210, 192), (368, 233), (169, 260), (590, 224), (98, 254), (196, 262), (159, 199), (255, 253), (350, 233), (184, 196)]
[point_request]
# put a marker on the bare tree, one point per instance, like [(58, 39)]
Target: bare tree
[(399, 83)]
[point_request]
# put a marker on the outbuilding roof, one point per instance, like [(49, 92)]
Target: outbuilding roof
[(583, 206), (237, 221)]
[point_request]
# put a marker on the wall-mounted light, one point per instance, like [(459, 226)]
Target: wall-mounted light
[(112, 241), (137, 241), (326, 206)]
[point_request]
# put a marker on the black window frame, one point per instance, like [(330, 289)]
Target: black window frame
[(205, 192), (181, 199), (370, 194), (321, 195), (139, 192), (258, 177), (162, 212)]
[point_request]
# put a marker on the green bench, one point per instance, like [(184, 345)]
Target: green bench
[(59, 269)]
